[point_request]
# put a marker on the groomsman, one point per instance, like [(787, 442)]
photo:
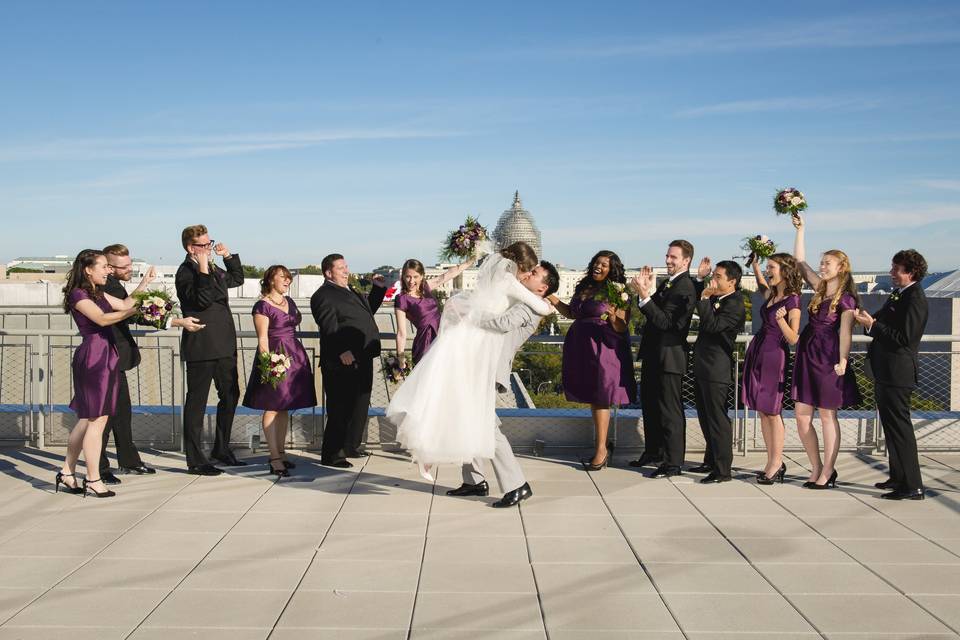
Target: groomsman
[(349, 343), (893, 365), (722, 314), (663, 351), (128, 458), (211, 355)]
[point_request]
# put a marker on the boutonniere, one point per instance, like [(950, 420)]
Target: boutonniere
[(668, 285), (894, 296), (716, 305)]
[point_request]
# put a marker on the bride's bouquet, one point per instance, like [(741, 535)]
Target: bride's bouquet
[(464, 243), (759, 248), (395, 369), (155, 307), (614, 295), (789, 200), (273, 366)]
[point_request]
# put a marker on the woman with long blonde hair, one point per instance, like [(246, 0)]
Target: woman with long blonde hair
[(822, 379)]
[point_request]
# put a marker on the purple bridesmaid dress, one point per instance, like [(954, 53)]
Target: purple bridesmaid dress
[(765, 364), (95, 371), (424, 315), (297, 391), (597, 366), (814, 380)]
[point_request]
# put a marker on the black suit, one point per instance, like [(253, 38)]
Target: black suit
[(720, 322), (120, 422), (345, 321), (211, 354), (663, 351), (893, 365)]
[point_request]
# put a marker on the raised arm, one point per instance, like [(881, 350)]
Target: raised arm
[(800, 254), (451, 273), (562, 307), (516, 291), (234, 268), (195, 290), (104, 319), (761, 279)]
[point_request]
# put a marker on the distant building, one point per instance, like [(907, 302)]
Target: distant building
[(517, 225)]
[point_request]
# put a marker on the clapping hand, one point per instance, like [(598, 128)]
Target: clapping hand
[(221, 250), (642, 284), (703, 271), (863, 318)]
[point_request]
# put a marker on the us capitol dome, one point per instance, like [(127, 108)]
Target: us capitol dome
[(517, 225)]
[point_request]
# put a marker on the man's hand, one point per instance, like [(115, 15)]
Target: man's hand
[(347, 359), (708, 292), (149, 276), (642, 284), (189, 323), (203, 261), (221, 250), (863, 318), (379, 281), (705, 268)]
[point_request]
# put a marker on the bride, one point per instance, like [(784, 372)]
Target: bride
[(445, 411)]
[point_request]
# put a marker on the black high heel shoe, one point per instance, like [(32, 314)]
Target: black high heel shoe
[(777, 477), (96, 494), (589, 466), (280, 473), (830, 483), (289, 465), (66, 488)]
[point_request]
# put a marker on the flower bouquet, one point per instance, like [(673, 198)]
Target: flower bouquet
[(759, 248), (155, 307), (614, 295), (789, 200), (394, 369), (273, 366), (464, 242)]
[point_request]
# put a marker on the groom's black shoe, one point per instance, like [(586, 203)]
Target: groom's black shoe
[(511, 498), (340, 463), (467, 489), (645, 460)]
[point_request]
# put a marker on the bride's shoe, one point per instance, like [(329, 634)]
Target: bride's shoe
[(425, 472)]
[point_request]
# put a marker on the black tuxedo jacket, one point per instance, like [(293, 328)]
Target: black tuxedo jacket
[(204, 296), (720, 322), (345, 321), (126, 346), (668, 314), (892, 356)]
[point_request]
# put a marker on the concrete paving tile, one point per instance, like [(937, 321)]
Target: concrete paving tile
[(452, 505), (348, 610), (407, 503), (736, 489), (12, 600), (77, 520), (393, 524), (951, 544), (688, 577), (783, 526), (841, 507), (606, 611), (85, 607), (265, 522), (803, 550), (288, 546), (616, 634), (770, 614), (498, 549), (55, 543), (908, 551), (873, 635), (564, 488), (298, 501), (477, 634), (591, 577), (878, 614), (869, 527), (188, 521), (162, 544), (946, 608), (198, 633), (213, 609), (923, 579), (340, 634), (636, 488), (935, 528), (581, 550), (571, 505), (217, 499), (935, 506), (379, 548), (361, 575), (632, 506), (814, 577), (667, 526), (477, 577), (140, 573), (515, 611), (710, 550), (490, 522), (748, 635), (252, 573), (62, 633), (28, 573), (744, 507), (537, 524)]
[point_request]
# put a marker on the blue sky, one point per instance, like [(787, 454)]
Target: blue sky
[(298, 129)]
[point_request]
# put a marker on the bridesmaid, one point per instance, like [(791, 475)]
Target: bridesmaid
[(822, 380), (275, 317), (417, 303), (95, 366), (597, 366), (765, 364)]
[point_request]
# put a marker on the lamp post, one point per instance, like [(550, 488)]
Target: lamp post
[(540, 386), (529, 375)]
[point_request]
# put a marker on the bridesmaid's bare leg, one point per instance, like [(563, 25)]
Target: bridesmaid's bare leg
[(777, 431), (831, 442), (281, 423), (270, 431), (74, 446), (601, 427), (808, 436), (92, 447)]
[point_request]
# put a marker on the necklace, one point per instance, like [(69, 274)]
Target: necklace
[(279, 304)]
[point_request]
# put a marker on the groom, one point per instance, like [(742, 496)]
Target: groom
[(519, 321)]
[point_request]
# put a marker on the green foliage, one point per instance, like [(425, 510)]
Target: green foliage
[(23, 270), (311, 270), (539, 363), (554, 401), (250, 271)]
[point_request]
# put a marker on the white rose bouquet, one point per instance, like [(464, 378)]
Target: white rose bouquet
[(789, 200), (273, 366), (614, 295), (759, 247), (155, 307)]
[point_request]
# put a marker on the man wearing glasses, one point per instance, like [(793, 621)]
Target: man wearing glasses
[(211, 355), (128, 458)]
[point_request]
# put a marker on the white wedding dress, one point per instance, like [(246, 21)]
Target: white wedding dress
[(445, 411)]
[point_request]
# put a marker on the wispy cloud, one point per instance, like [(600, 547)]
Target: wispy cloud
[(201, 146), (780, 104)]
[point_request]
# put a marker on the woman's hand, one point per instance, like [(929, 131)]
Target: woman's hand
[(841, 367), (781, 314), (797, 220)]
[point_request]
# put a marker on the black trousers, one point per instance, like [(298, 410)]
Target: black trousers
[(223, 374), (893, 404), (664, 428), (711, 398), (120, 425), (348, 399)]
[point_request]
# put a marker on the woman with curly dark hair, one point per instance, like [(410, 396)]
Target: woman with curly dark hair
[(597, 367)]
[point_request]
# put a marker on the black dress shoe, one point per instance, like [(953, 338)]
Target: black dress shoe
[(886, 484), (646, 459), (339, 463), (703, 468), (511, 498), (904, 494), (140, 470), (467, 489), (714, 477), (665, 471), (109, 478), (230, 461), (204, 470), (357, 453)]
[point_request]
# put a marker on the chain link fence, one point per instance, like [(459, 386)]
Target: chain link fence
[(16, 394)]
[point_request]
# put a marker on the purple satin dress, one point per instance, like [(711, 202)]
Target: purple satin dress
[(597, 366), (424, 315), (814, 380), (95, 371), (765, 364), (297, 391)]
